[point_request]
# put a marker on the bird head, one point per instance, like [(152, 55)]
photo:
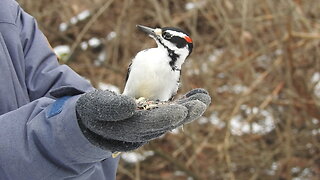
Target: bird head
[(171, 38)]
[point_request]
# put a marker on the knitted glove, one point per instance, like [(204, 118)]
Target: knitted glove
[(112, 121)]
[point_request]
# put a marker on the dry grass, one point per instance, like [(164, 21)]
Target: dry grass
[(267, 50)]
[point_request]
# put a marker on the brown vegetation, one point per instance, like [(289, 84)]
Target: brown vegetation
[(256, 58)]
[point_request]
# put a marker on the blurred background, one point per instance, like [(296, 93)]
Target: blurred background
[(259, 60)]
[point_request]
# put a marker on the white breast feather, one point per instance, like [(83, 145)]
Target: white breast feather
[(151, 76)]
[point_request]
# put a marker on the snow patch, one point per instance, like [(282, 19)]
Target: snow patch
[(240, 126), (215, 120), (62, 51), (134, 157), (63, 27), (273, 169), (212, 119), (111, 35), (74, 20), (94, 42), (102, 56), (215, 55), (84, 45), (316, 80), (237, 88), (194, 5), (83, 15)]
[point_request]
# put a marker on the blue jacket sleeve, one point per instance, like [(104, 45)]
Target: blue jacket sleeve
[(44, 75), (42, 139), (38, 143)]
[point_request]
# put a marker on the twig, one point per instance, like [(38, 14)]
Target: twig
[(125, 171), (252, 57), (137, 171), (87, 27), (305, 35), (175, 162)]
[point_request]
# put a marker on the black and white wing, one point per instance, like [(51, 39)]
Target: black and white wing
[(128, 72)]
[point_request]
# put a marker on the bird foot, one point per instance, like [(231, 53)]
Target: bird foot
[(145, 104)]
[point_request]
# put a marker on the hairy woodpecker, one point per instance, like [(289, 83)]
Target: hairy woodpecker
[(154, 73)]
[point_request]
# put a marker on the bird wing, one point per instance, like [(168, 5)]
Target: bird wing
[(128, 72), (175, 91)]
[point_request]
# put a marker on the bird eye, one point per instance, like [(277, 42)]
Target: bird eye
[(166, 35)]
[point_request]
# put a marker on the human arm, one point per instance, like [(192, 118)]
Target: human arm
[(38, 141)]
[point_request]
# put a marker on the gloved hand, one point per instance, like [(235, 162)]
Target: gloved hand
[(113, 122)]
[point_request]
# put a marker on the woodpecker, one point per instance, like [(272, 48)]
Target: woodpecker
[(154, 73)]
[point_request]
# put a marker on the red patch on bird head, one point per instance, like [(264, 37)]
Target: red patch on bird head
[(188, 39)]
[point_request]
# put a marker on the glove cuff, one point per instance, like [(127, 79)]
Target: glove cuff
[(108, 144)]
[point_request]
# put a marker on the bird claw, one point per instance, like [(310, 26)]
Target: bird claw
[(145, 104)]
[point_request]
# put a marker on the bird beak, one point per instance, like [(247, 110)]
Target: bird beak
[(150, 31)]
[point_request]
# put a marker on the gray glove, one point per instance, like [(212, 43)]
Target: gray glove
[(113, 122)]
